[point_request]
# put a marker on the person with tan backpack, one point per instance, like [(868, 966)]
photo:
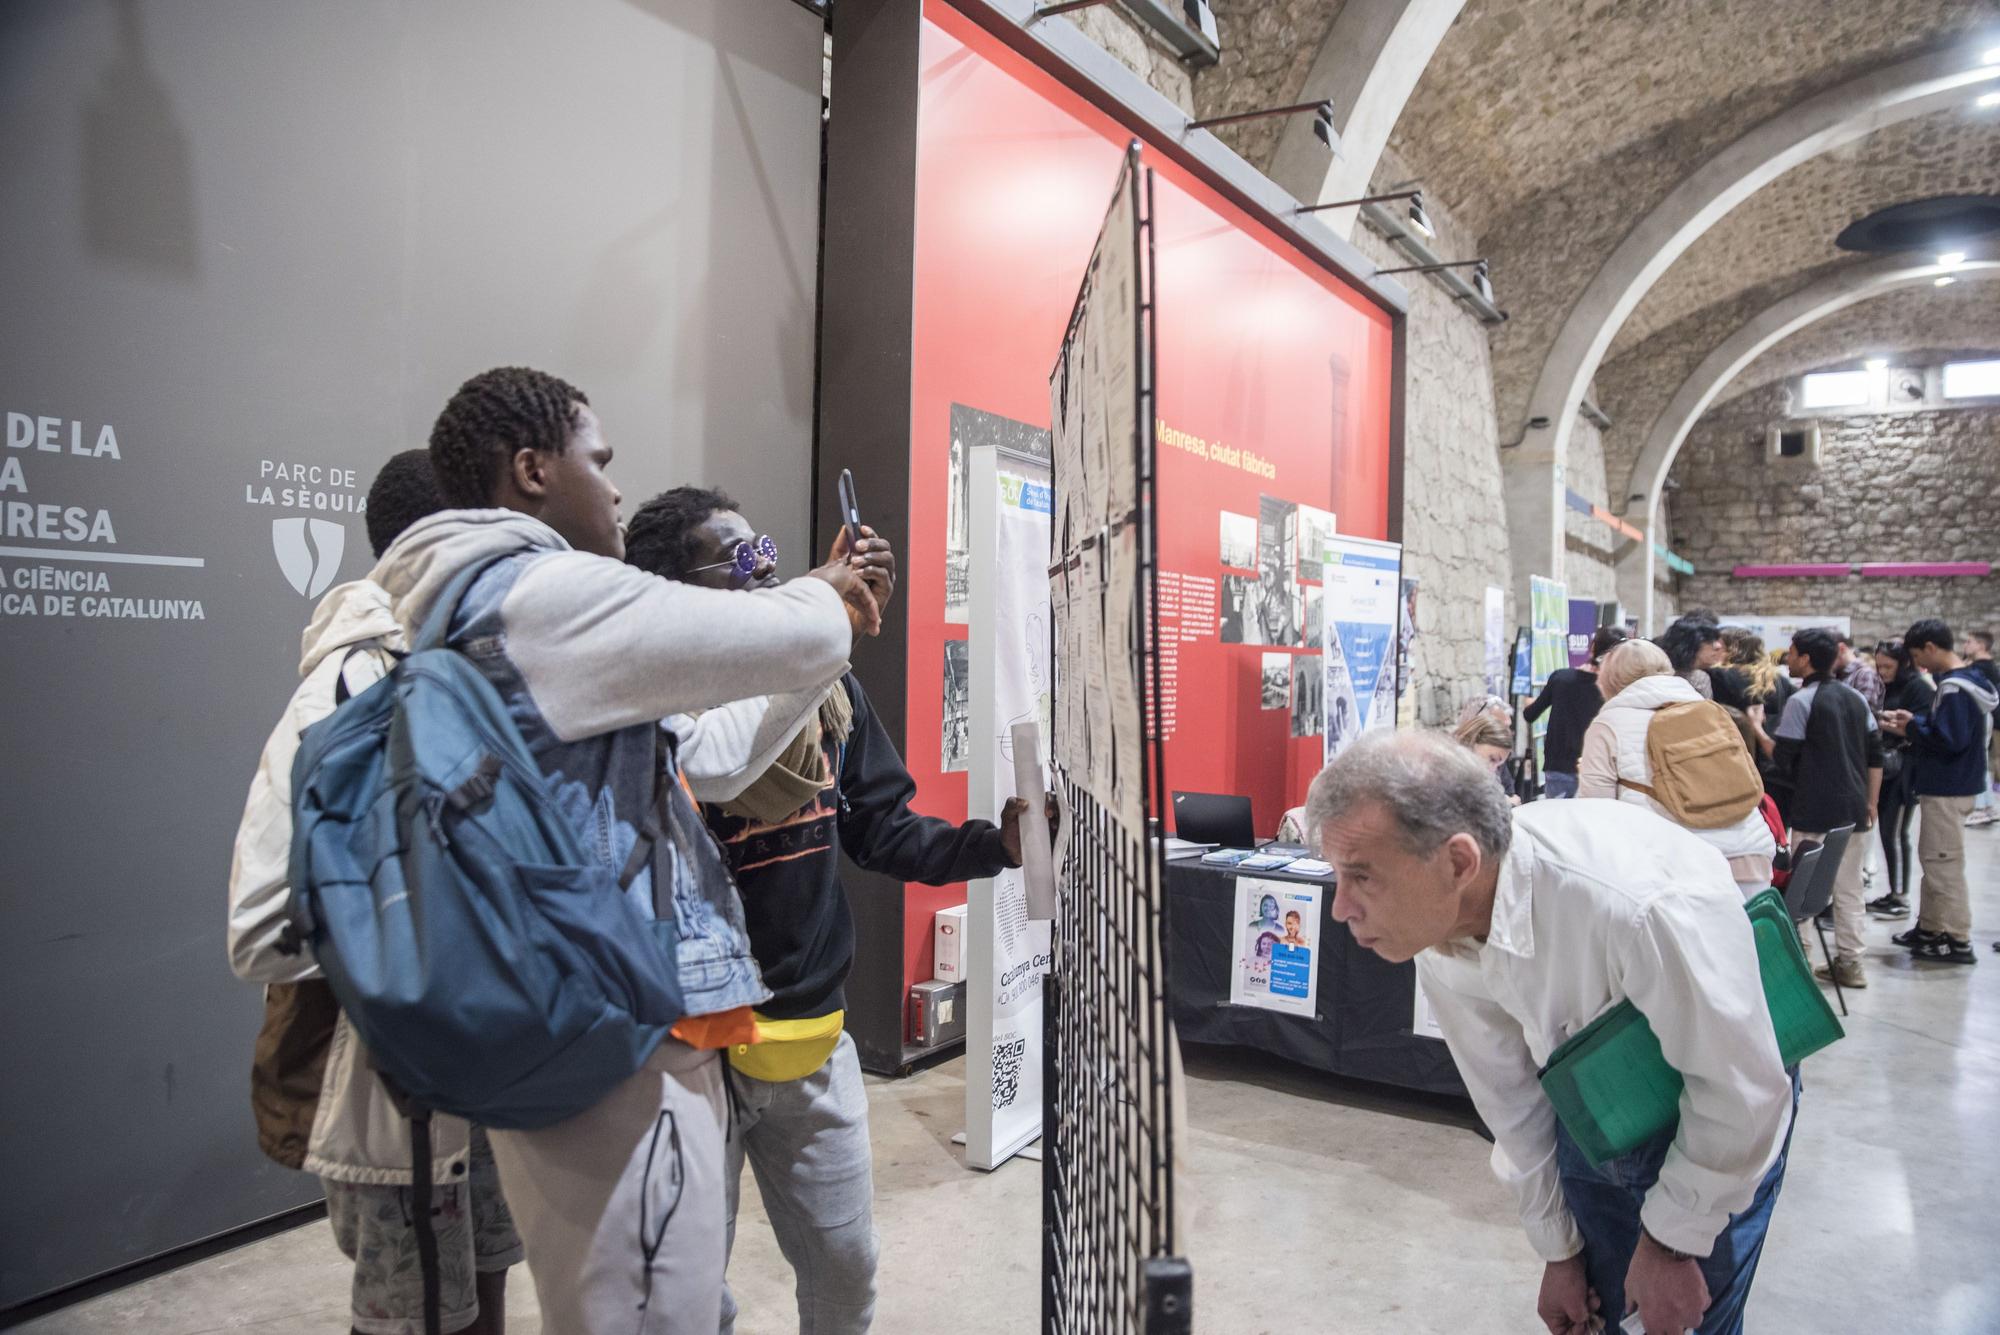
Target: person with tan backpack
[(1659, 745)]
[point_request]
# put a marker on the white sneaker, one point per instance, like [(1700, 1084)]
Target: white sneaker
[(1986, 817)]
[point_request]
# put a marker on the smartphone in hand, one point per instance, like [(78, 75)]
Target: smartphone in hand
[(850, 510)]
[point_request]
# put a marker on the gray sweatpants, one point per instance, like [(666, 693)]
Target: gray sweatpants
[(621, 1206), (807, 1142)]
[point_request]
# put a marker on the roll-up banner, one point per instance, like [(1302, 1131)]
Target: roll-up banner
[(1363, 601), (1007, 599)]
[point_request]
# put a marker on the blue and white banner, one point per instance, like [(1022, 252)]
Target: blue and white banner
[(1363, 595)]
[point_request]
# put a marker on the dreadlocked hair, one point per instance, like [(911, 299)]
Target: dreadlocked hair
[(405, 491), (660, 539), (490, 418)]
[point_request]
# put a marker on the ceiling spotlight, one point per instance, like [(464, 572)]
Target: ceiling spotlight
[(1951, 259), (1419, 219), (1988, 100), (1992, 57), (1877, 363), (1420, 222), (1945, 281), (1322, 120), (1482, 279)]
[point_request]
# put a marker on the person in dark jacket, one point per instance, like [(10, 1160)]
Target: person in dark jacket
[(1828, 750), (1693, 645), (1903, 687), (1571, 700), (784, 809), (1947, 773), (1979, 657)]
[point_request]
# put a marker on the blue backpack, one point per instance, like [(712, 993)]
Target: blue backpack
[(491, 969)]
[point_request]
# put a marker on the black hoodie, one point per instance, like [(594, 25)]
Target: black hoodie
[(788, 873)]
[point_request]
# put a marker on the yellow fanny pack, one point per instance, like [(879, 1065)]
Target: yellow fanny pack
[(788, 1049)]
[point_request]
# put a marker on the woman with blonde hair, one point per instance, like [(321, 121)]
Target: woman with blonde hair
[(1638, 678), (1493, 742)]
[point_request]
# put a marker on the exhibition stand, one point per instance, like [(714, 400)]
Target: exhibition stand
[(1363, 1012)]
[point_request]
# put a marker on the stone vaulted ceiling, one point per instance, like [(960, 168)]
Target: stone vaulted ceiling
[(1916, 326), (1789, 225), (1547, 128)]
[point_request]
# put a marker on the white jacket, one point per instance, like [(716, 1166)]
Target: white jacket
[(357, 1135), (1615, 748)]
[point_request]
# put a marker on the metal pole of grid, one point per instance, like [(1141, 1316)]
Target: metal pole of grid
[(1109, 1262)]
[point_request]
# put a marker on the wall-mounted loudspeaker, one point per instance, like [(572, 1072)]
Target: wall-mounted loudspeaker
[(1798, 441)]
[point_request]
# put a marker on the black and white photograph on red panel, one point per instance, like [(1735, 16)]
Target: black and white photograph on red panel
[(1277, 681), (1239, 617), (1278, 611), (1111, 1069), (1315, 609), (1315, 527), (1239, 541), (955, 731), (971, 427), (1308, 693), (1277, 535)]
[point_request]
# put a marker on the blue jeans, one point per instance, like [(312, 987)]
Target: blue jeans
[(1605, 1201), (1557, 785)]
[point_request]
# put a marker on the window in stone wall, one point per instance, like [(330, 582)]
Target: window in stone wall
[(1972, 380), (1838, 389)]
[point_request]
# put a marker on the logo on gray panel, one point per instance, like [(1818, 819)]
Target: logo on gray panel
[(309, 565)]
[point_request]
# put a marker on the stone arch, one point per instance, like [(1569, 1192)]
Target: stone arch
[(1824, 121), (1724, 363)]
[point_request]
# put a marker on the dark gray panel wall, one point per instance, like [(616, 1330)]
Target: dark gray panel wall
[(245, 236)]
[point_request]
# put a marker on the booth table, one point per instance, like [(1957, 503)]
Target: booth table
[(1365, 1004)]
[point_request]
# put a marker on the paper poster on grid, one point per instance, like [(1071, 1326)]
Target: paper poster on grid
[(1277, 946), (1362, 581), (1011, 1067)]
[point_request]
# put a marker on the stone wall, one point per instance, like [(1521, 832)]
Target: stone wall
[(1136, 46), (1589, 547), (1454, 507), (1916, 486)]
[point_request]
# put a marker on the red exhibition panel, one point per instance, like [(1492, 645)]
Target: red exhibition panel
[(1274, 385)]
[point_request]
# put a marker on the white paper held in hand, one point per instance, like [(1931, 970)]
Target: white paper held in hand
[(1038, 873)]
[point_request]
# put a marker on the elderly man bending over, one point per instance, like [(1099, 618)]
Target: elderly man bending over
[(1526, 925)]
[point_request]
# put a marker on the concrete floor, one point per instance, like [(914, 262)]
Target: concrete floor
[(1313, 1205)]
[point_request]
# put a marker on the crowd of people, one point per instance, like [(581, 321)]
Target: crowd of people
[(1698, 769), (695, 718)]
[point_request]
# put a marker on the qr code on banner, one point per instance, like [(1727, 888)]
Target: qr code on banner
[(1007, 1071)]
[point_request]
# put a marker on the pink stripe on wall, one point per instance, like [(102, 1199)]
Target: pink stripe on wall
[(1789, 572), (1878, 569), (1928, 568)]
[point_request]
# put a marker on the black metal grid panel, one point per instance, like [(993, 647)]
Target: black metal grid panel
[(1108, 1209)]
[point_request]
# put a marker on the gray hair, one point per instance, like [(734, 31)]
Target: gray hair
[(1432, 787)]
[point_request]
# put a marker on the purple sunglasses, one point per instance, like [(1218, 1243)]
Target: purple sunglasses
[(744, 558)]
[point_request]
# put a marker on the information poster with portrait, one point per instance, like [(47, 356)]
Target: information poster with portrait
[(1362, 606), (1276, 943)]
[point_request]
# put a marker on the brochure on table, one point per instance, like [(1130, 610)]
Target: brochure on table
[(1363, 599), (1276, 946)]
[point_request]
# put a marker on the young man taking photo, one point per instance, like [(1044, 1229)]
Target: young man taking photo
[(1947, 773), (837, 785), (621, 1205)]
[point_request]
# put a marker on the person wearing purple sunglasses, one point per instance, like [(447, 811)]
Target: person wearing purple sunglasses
[(784, 808)]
